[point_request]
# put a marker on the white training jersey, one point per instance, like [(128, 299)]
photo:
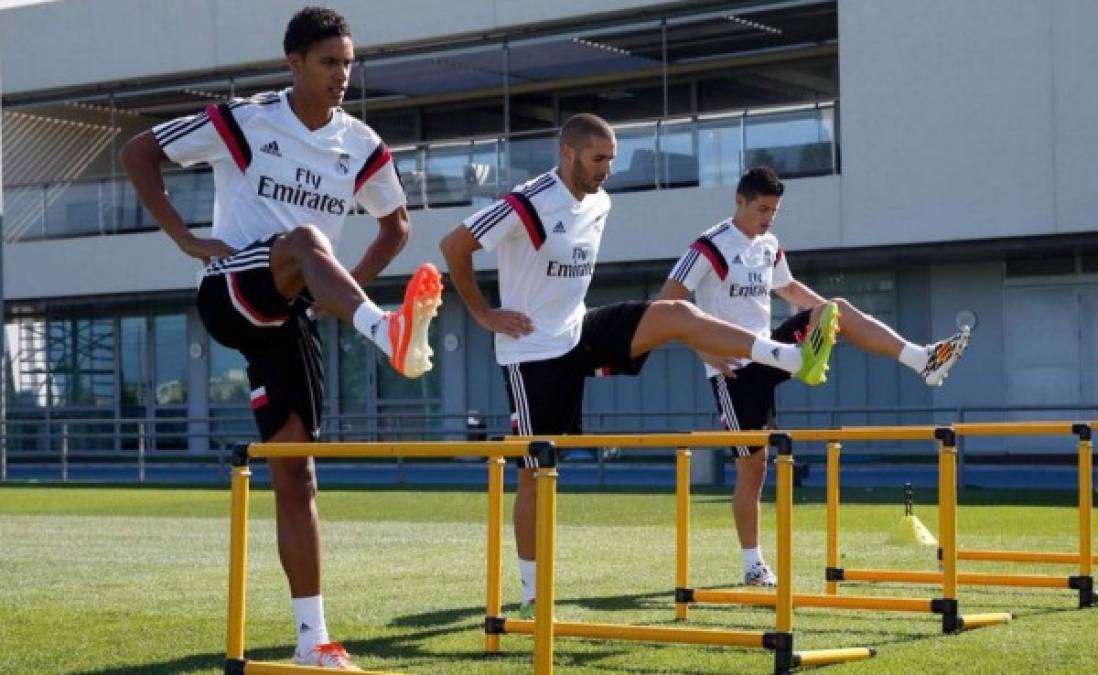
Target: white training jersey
[(732, 277), (272, 174), (547, 243)]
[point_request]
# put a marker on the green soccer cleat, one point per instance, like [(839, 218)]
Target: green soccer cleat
[(816, 348)]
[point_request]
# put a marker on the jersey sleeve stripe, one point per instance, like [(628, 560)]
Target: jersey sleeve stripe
[(713, 254), (377, 159), (231, 134), (685, 264), (174, 132), (529, 215), (486, 222), (778, 258)]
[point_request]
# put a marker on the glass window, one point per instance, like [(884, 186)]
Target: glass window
[(81, 356), (135, 370), (228, 376), (719, 146), (171, 359), (354, 370)]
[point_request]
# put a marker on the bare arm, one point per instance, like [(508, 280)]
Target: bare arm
[(142, 157), (458, 247), (392, 234), (799, 295), (673, 290)]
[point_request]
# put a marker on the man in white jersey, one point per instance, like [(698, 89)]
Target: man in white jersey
[(731, 270), (547, 234), (288, 168)]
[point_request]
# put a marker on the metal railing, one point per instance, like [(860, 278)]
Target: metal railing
[(700, 150), (30, 437)]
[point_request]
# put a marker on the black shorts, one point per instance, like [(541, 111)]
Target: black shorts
[(746, 402), (546, 397), (243, 310)]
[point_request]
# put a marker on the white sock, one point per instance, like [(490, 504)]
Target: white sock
[(752, 557), (370, 320), (309, 620), (528, 573), (777, 354), (914, 356)]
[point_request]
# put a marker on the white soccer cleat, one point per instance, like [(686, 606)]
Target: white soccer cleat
[(759, 575), (943, 355), (409, 325), (328, 655)]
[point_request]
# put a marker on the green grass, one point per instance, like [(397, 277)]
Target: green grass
[(133, 580)]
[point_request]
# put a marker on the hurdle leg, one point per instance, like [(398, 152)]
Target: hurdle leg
[(1085, 581), (494, 585), (546, 514), (833, 450), (238, 555), (947, 526), (682, 532)]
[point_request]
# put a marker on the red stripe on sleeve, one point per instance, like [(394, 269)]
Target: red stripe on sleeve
[(527, 219), (226, 136)]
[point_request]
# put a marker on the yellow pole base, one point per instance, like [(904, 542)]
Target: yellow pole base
[(823, 657), (971, 621)]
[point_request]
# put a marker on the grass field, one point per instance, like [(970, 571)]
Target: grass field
[(133, 580)]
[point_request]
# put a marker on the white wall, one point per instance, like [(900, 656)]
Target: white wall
[(642, 226), (108, 40), (967, 120)]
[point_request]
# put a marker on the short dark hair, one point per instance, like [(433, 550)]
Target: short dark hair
[(578, 128), (311, 25), (760, 180)]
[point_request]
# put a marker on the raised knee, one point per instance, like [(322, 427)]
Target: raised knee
[(308, 237), (676, 310)]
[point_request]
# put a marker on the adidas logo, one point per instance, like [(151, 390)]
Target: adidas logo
[(559, 227), (271, 149), (304, 627), (774, 352), (737, 260)]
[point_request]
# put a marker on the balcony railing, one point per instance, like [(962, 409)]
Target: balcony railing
[(703, 150)]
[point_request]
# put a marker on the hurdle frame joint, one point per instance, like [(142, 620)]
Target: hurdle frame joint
[(545, 452), (684, 595), (782, 644), (1082, 430), (944, 606), (1085, 586), (494, 625), (946, 435), (834, 574), (235, 666), (240, 457), (782, 443)]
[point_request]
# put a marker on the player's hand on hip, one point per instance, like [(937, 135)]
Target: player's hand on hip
[(511, 324), (205, 249)]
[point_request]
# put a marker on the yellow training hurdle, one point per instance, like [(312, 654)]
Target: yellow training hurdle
[(544, 627), (1083, 582)]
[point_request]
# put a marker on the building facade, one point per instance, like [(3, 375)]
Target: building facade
[(939, 157)]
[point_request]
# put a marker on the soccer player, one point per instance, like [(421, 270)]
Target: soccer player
[(289, 166), (731, 270), (547, 234)]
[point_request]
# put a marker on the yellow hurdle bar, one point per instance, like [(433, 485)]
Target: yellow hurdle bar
[(238, 561), (701, 439), (823, 657), (268, 668), (507, 448), (963, 578), (1025, 556), (1017, 428), (682, 528), (545, 548), (494, 585), (1086, 507), (693, 636), (833, 450), (762, 598)]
